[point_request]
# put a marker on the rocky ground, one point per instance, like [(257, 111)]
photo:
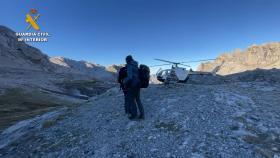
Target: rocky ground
[(239, 119)]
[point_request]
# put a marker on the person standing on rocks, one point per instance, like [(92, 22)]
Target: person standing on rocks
[(133, 85)]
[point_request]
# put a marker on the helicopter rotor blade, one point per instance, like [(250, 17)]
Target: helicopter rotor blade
[(198, 61), (167, 61), (159, 65), (185, 65)]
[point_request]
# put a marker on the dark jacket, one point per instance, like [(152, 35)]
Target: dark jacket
[(122, 75), (132, 79)]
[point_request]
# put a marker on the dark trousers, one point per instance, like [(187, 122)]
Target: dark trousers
[(133, 99), (126, 104)]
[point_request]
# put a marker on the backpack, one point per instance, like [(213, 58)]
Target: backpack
[(122, 75), (144, 75)]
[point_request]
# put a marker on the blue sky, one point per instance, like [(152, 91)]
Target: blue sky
[(105, 31)]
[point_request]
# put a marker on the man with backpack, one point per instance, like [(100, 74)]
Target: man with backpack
[(133, 83)]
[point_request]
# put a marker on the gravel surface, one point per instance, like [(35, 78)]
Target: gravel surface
[(235, 120)]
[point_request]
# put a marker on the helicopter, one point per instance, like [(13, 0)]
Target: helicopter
[(177, 74)]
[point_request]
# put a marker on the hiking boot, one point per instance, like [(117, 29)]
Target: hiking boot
[(132, 118), (141, 117)]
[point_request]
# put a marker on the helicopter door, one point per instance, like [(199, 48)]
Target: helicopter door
[(181, 73), (164, 74)]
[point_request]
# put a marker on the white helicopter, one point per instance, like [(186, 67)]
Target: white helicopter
[(179, 74)]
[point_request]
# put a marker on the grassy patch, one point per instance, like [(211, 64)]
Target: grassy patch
[(86, 87), (78, 83), (264, 143), (234, 128), (252, 139), (17, 104), (240, 119), (52, 122), (49, 123), (264, 153)]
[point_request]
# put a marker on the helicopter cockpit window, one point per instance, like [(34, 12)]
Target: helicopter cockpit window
[(160, 73), (165, 72)]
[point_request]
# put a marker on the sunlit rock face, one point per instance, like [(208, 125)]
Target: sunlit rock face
[(265, 56)]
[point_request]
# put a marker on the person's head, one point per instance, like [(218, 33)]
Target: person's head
[(128, 59)]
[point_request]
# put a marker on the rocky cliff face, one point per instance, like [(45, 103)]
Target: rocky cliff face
[(114, 68), (64, 65), (19, 55), (265, 56), (16, 54)]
